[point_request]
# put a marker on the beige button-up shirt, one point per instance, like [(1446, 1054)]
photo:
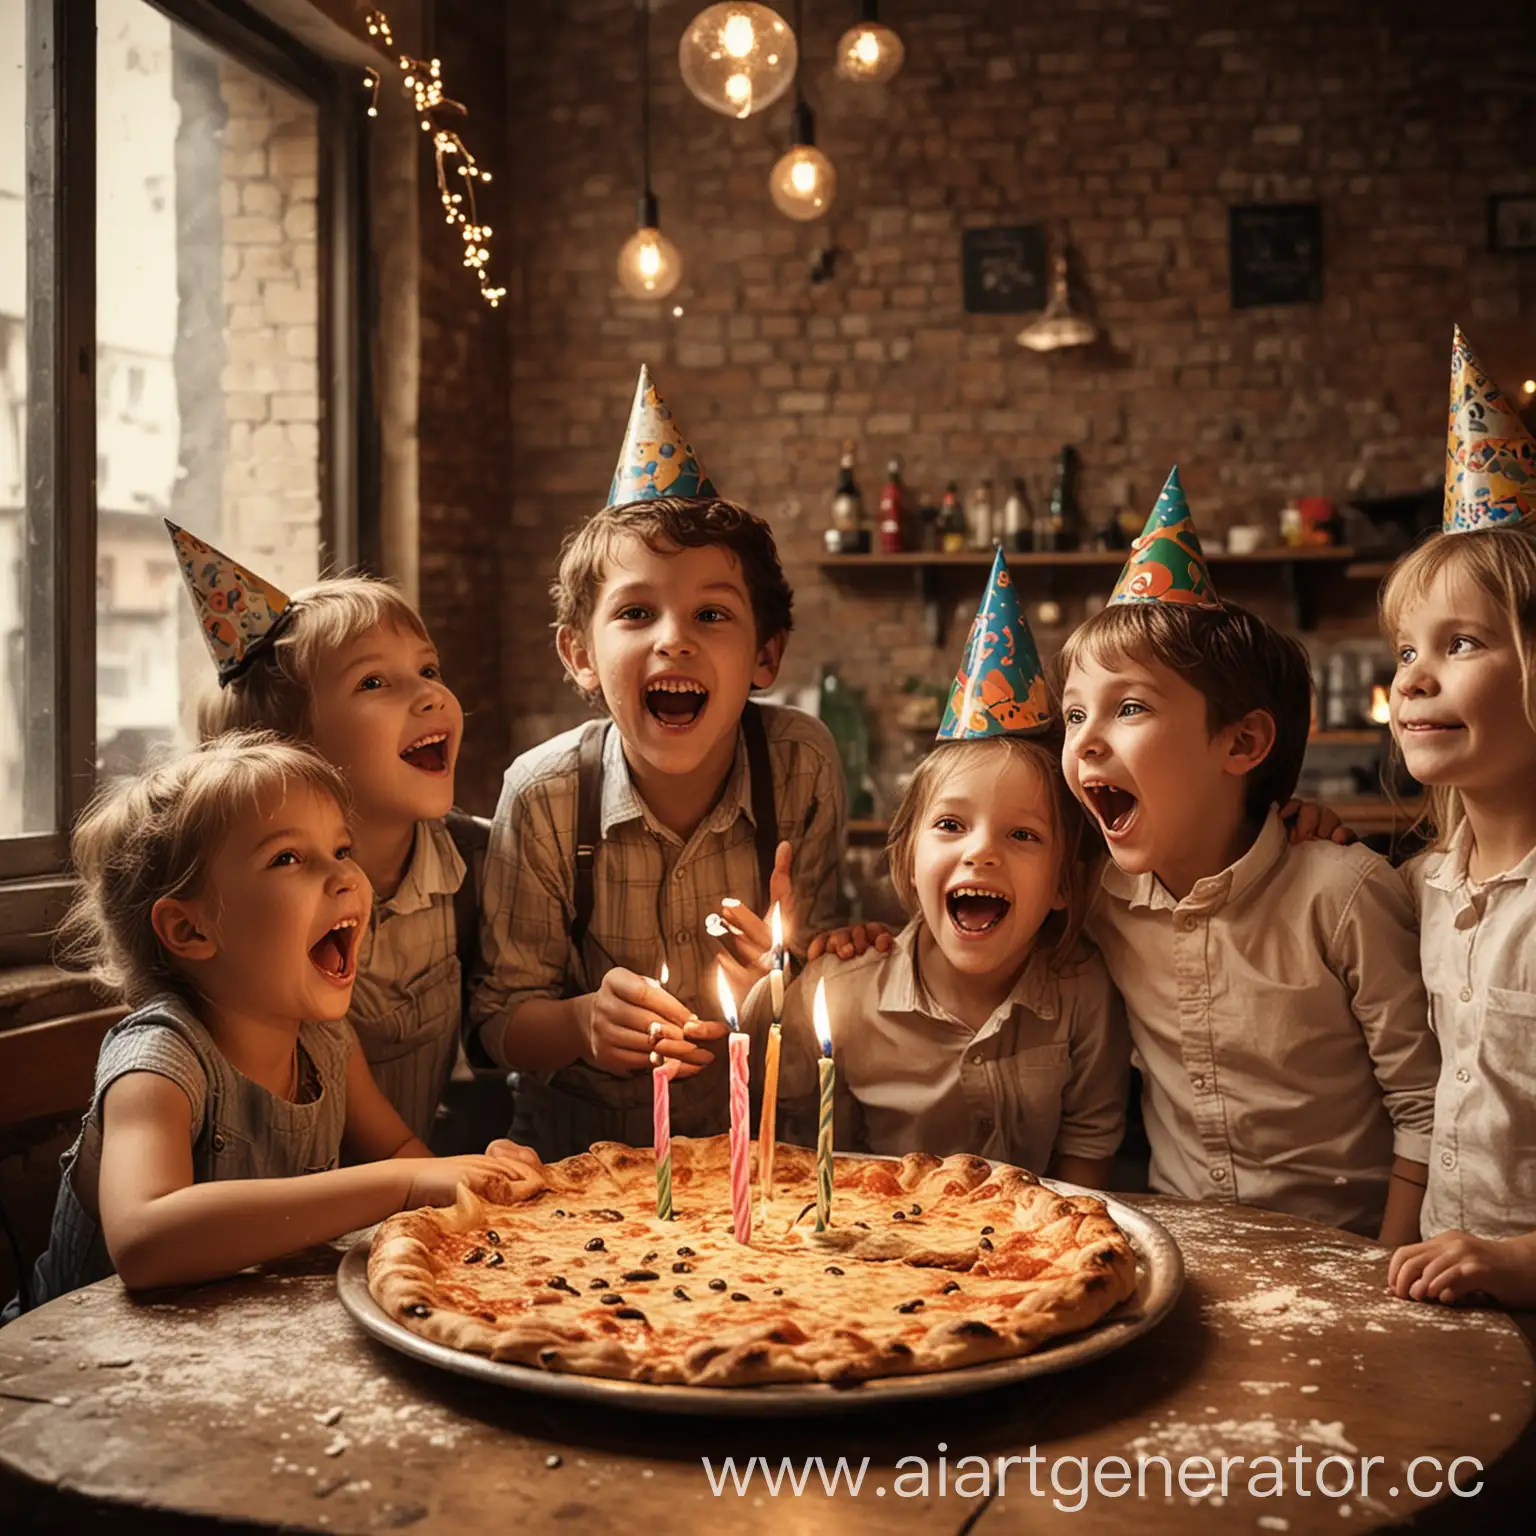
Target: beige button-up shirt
[(652, 892), (1280, 1025), (407, 999), (1478, 944), (1045, 1076)]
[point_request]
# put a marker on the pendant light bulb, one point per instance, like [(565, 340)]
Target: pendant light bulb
[(649, 265), (869, 53), (738, 57), (804, 182)]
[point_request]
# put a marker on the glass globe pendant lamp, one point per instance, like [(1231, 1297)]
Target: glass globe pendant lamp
[(649, 266), (869, 53), (804, 182), (738, 57)]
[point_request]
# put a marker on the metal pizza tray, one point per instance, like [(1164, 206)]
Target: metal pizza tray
[(1159, 1276)]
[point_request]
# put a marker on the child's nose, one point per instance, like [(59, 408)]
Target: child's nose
[(673, 638), (1412, 679)]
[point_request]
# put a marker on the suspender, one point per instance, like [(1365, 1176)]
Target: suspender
[(471, 836), (589, 810)]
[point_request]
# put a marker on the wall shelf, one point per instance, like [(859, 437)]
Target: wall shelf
[(936, 590)]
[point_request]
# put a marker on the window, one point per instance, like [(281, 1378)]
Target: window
[(193, 235)]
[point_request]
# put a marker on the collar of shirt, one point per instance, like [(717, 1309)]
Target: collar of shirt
[(1211, 893), (1452, 870), (902, 990), (435, 870), (622, 802)]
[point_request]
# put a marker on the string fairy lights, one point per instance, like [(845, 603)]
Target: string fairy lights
[(458, 172)]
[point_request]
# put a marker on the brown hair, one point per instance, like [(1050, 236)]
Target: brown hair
[(1236, 661), (276, 691), (1501, 561), (155, 835), (1059, 934), (666, 524)]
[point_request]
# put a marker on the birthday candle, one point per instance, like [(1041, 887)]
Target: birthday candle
[(661, 1079), (768, 1131), (741, 1111), (826, 1075)]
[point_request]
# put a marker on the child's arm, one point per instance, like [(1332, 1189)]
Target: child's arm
[(163, 1229), (1093, 1101), (525, 1023), (1455, 1265), (1375, 953)]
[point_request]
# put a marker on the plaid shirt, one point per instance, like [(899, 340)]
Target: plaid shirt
[(652, 892)]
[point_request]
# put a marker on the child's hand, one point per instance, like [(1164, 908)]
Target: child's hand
[(747, 939), (616, 1025), (497, 1176), (1308, 820), (1455, 1265), (845, 943)]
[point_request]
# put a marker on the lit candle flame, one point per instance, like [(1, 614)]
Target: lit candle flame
[(664, 973), (727, 1001), (819, 1017), (776, 926)]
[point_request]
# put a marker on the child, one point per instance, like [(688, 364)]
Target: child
[(614, 842), (1461, 613), (347, 666), (1272, 989), (987, 1027), (220, 899)]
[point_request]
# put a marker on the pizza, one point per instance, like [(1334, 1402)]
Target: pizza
[(928, 1264)]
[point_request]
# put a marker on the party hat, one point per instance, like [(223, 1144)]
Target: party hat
[(239, 613), (656, 459), (1167, 564), (1490, 458), (1000, 687)]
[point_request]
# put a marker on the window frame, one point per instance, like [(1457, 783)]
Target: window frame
[(60, 515)]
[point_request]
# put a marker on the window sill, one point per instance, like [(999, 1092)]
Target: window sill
[(33, 994), (30, 914)]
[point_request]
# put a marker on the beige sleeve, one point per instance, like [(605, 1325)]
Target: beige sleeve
[(1374, 951), (1093, 1102)]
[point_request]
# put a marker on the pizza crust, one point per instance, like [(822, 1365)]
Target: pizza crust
[(930, 1265)]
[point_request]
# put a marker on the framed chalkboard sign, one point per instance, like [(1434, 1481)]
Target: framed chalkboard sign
[(1277, 254), (1004, 269)]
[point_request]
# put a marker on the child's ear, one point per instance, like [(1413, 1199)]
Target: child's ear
[(576, 654), (769, 659), (1249, 742), (176, 925)]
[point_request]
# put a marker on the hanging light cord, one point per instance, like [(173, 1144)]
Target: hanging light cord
[(799, 50), (645, 96)]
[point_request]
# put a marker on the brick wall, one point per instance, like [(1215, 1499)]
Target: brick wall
[(463, 403), (1129, 126)]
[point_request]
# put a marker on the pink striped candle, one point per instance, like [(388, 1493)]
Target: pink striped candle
[(741, 1113), (661, 1080)]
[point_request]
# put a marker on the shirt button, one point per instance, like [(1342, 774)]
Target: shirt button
[(1198, 1084), (218, 1141), (977, 1059), (677, 875), (1188, 923), (1219, 1174), (1466, 994), (1462, 1075), (683, 936), (1447, 1159)]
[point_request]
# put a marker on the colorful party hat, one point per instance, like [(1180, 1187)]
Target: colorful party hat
[(1000, 687), (1167, 564), (239, 613), (656, 459), (1490, 458)]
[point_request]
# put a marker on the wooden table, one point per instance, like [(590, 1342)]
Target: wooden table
[(257, 1400)]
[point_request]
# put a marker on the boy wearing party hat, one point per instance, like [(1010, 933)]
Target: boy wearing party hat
[(651, 844), (1272, 990), (347, 666), (989, 1026)]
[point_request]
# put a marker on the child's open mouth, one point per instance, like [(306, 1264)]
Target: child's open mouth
[(1115, 807), (429, 754), (974, 910), (676, 702), (334, 954)]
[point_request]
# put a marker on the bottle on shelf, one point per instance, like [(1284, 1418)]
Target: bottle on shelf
[(1064, 518), (848, 534), (952, 521), (982, 522), (1017, 517), (892, 506)]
